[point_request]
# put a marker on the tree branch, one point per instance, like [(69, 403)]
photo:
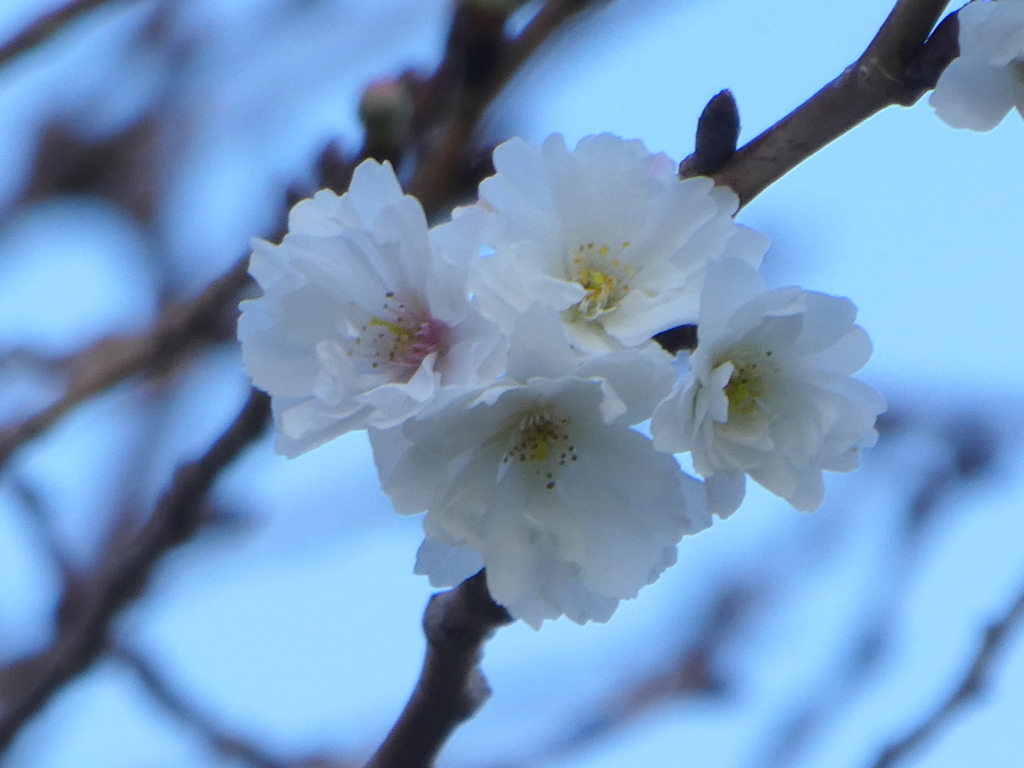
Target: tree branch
[(435, 180), (124, 571), (970, 688), (112, 360), (45, 27), (225, 743), (891, 71), (451, 687)]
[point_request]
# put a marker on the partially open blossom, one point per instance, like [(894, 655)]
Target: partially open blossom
[(541, 479), (769, 392), (978, 89), (364, 316), (607, 235)]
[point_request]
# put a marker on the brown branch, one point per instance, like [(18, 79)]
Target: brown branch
[(45, 27), (124, 571), (899, 65), (451, 687), (970, 688), (41, 518), (112, 360), (226, 744), (970, 450), (454, 120)]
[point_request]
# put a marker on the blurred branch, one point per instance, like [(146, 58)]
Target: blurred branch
[(112, 360), (451, 687), (970, 449), (182, 325), (123, 573), (125, 166), (31, 359), (974, 448), (485, 61), (696, 670), (45, 27), (42, 520), (970, 688), (898, 67), (229, 746)]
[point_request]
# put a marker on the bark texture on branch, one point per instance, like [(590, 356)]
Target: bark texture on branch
[(898, 67), (451, 687)]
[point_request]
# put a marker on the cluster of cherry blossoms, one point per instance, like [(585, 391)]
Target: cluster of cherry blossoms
[(502, 363), (978, 89)]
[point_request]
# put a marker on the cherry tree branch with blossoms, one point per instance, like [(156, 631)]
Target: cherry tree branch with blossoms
[(182, 326), (461, 324)]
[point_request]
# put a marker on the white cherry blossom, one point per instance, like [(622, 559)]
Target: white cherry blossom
[(769, 392), (606, 234), (978, 89), (541, 479), (364, 317)]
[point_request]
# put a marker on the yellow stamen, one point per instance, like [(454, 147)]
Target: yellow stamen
[(397, 330)]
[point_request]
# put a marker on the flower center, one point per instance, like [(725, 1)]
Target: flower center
[(748, 383), (603, 274), (399, 336), (542, 442)]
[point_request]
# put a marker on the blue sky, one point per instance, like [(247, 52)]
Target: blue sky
[(303, 630)]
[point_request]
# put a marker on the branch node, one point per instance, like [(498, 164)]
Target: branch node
[(451, 688)]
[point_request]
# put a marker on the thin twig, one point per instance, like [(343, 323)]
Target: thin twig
[(124, 571), (110, 361), (889, 72), (45, 27), (696, 670), (451, 687), (228, 745), (436, 176), (970, 450), (42, 522), (970, 688), (182, 325)]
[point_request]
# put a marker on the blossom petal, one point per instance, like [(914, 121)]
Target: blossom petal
[(769, 392)]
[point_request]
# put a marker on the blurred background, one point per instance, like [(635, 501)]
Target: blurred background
[(143, 144)]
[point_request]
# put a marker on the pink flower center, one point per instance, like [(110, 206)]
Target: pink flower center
[(402, 336)]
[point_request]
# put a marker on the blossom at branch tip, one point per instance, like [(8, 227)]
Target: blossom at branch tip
[(769, 392), (540, 479), (978, 89), (364, 316), (607, 235)]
